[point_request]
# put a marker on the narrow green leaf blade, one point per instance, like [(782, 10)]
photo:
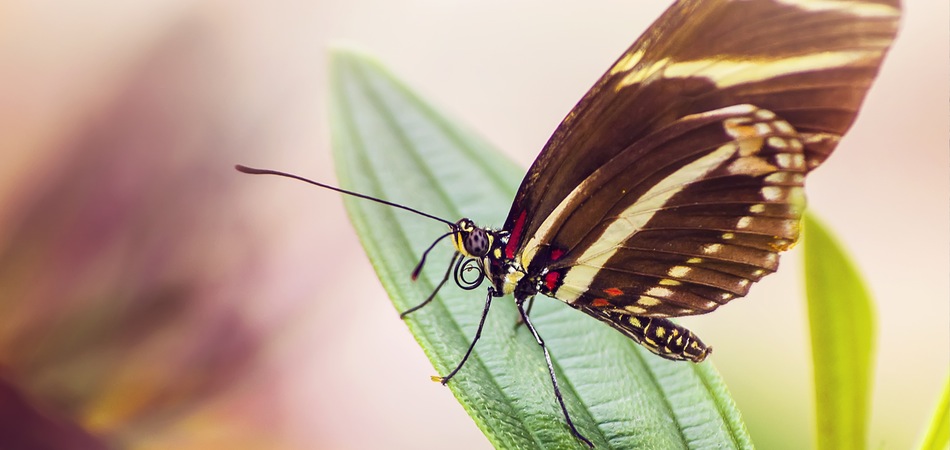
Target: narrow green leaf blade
[(841, 318), (390, 144), (938, 433)]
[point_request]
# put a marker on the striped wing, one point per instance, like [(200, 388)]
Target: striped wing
[(724, 196), (677, 179)]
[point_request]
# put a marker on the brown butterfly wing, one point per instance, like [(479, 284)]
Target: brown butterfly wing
[(675, 182)]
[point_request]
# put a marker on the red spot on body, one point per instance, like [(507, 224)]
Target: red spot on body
[(613, 292), (551, 279), (600, 303), (515, 237)]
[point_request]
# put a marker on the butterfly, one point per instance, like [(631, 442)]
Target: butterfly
[(678, 179)]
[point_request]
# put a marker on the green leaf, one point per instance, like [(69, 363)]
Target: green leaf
[(938, 434), (841, 317), (390, 144)]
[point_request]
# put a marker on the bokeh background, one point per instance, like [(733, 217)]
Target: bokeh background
[(151, 297)]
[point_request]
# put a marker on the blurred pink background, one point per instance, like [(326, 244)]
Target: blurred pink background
[(151, 297)]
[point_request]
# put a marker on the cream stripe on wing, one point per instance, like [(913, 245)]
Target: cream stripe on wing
[(855, 8), (632, 220), (582, 190), (725, 73)]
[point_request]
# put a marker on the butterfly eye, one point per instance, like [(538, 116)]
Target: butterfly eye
[(470, 239), (477, 243)]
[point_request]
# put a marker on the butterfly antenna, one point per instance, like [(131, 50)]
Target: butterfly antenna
[(254, 171)]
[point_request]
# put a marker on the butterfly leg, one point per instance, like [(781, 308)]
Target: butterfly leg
[(436, 291), (478, 334), (547, 358), (518, 321)]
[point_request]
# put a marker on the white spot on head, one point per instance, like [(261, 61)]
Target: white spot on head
[(678, 271)]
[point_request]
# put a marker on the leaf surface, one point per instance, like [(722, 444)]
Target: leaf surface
[(391, 144)]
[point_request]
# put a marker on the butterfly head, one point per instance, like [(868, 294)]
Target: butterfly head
[(471, 240)]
